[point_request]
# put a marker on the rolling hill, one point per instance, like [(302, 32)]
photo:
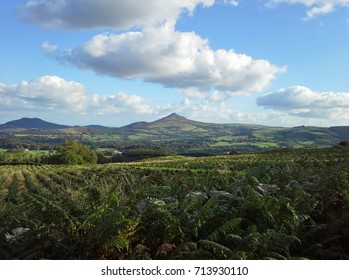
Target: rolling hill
[(178, 133), (175, 124), (30, 123)]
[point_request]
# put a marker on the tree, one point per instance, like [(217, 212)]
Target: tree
[(72, 152)]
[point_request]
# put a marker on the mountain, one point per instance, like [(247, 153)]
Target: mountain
[(175, 124), (178, 130), (173, 118), (176, 133), (30, 123)]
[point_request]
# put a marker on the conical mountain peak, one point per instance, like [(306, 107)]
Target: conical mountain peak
[(173, 117)]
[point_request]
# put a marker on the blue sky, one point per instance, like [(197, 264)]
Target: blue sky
[(114, 62)]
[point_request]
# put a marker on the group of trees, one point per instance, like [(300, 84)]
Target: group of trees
[(70, 152), (22, 156), (73, 152)]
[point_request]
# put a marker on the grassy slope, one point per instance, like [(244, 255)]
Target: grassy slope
[(180, 130)]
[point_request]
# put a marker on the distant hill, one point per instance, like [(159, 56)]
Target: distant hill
[(236, 136), (341, 131), (175, 124), (99, 127), (30, 123), (178, 133), (168, 122)]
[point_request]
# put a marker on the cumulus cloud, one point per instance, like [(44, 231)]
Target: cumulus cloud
[(303, 102), (118, 103), (119, 14), (173, 59), (52, 93), (315, 7), (217, 110), (9, 101), (55, 98), (44, 92), (158, 53), (192, 93), (40, 97)]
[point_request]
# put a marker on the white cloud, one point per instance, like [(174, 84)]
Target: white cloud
[(173, 59), (316, 7), (52, 93), (231, 2), (119, 14), (48, 47), (324, 9), (46, 92), (8, 99), (222, 111), (291, 107), (303, 102), (216, 96), (192, 93), (118, 103)]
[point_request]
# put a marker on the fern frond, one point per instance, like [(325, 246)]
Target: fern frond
[(313, 233), (193, 201), (233, 238), (227, 228), (220, 251), (46, 210), (241, 255)]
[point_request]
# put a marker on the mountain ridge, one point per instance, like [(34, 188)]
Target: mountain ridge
[(37, 123), (175, 131)]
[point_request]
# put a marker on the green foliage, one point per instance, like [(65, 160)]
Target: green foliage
[(286, 205), (72, 152), (13, 191), (22, 156)]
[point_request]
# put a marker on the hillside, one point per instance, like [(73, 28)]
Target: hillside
[(175, 125), (175, 133), (30, 123), (237, 136)]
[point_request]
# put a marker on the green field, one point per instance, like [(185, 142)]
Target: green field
[(287, 204)]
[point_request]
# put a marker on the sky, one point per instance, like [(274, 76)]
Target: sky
[(114, 62)]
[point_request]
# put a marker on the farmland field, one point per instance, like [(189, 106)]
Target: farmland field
[(287, 204)]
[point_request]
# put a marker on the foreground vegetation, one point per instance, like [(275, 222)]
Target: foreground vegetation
[(286, 204)]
